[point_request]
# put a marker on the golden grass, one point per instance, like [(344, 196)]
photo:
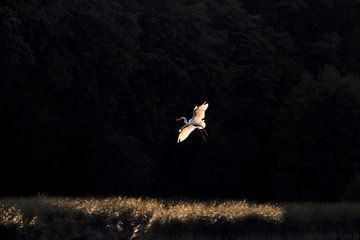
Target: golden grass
[(144, 214), (59, 218), (12, 210)]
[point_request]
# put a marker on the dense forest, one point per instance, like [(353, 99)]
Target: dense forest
[(90, 90)]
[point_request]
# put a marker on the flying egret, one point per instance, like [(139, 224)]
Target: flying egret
[(196, 122)]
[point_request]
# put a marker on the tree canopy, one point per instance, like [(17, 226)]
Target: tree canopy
[(90, 90)]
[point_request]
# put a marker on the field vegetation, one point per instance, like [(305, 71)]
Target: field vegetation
[(141, 218)]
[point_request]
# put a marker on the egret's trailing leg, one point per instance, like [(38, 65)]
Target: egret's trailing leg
[(205, 132), (202, 134)]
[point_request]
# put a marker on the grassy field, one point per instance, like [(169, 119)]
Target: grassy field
[(136, 218)]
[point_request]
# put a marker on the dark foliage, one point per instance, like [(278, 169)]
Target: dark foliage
[(90, 90)]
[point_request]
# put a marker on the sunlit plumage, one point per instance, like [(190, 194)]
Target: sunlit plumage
[(196, 122)]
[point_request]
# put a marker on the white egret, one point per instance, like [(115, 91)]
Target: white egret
[(196, 122)]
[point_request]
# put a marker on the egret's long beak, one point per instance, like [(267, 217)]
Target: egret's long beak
[(178, 119)]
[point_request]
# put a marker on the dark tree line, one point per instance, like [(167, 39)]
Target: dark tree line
[(90, 90)]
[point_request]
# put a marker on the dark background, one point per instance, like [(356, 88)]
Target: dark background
[(90, 90)]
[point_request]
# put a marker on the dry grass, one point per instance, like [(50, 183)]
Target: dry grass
[(128, 218)]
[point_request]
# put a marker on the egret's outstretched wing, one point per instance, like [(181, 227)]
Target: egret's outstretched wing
[(199, 112), (185, 131)]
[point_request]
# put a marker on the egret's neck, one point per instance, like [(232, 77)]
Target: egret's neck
[(185, 121)]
